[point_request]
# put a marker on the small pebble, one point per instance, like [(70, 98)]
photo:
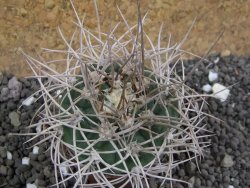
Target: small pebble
[(220, 92), (3, 170), (47, 172), (216, 60), (25, 161), (39, 128), (9, 155), (14, 119), (27, 102), (204, 172), (192, 181), (58, 91), (35, 150), (14, 84), (29, 185), (227, 161), (181, 173), (207, 88), (2, 139), (212, 76), (64, 170), (4, 94), (3, 152)]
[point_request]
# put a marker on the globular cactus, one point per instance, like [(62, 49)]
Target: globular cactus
[(122, 115), (119, 115)]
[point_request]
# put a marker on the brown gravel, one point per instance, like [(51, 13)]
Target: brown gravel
[(31, 25)]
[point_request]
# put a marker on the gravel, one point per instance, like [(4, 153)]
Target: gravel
[(225, 163), (13, 151)]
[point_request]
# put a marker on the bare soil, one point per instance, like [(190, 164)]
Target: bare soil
[(31, 25)]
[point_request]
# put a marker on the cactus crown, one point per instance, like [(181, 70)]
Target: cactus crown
[(110, 117)]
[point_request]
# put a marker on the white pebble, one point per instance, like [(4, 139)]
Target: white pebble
[(212, 76), (9, 155), (58, 91), (217, 60), (207, 88), (35, 150), (230, 186), (25, 161), (95, 156), (28, 101), (39, 128), (29, 185), (64, 170), (220, 92), (170, 136)]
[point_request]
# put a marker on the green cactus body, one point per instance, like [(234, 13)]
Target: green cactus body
[(143, 136)]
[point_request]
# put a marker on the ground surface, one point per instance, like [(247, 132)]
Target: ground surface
[(31, 25), (225, 162)]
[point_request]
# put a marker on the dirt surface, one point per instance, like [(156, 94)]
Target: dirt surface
[(31, 25)]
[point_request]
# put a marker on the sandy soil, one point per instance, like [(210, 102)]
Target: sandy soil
[(31, 25)]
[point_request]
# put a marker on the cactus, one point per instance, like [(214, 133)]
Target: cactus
[(119, 113), (117, 120)]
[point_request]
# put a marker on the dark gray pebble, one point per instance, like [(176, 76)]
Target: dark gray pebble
[(204, 172), (3, 170), (41, 157), (2, 139), (10, 162)]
